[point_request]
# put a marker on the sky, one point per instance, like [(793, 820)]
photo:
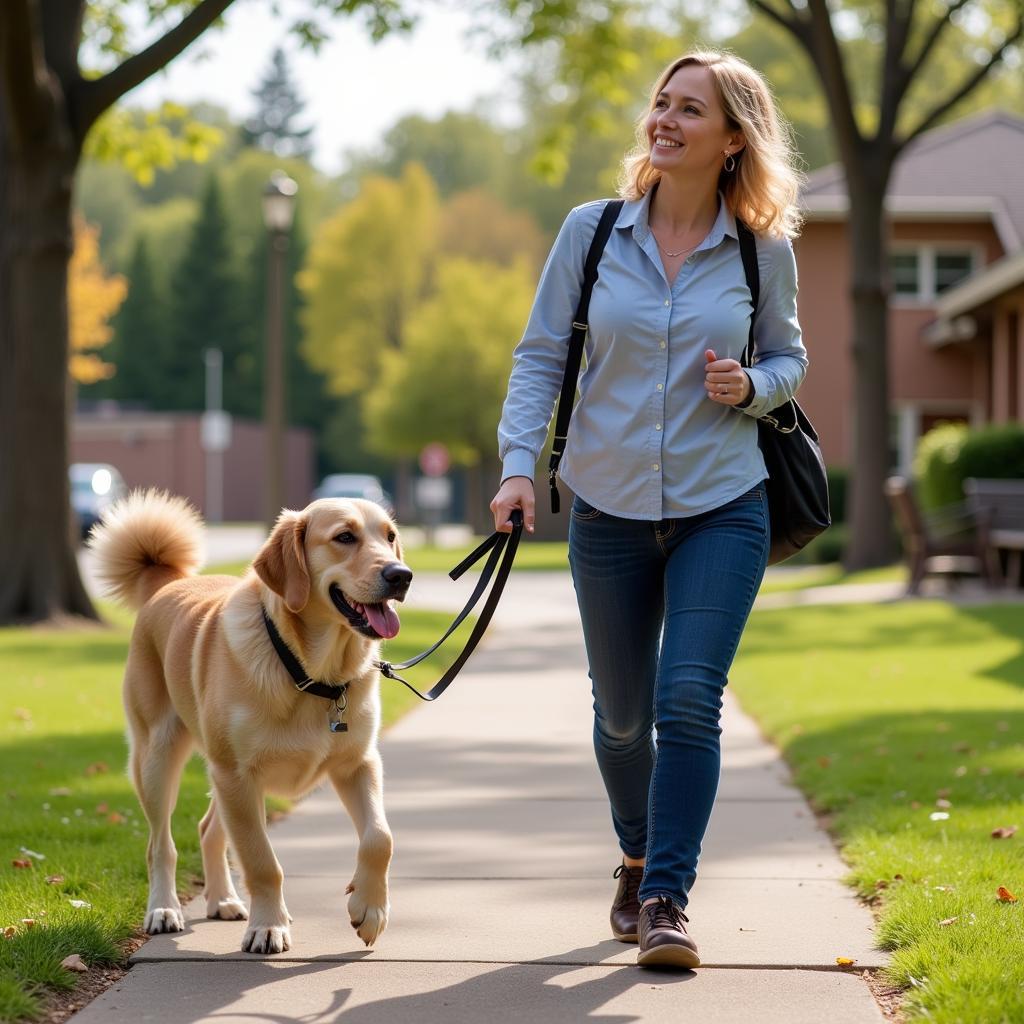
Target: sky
[(354, 90)]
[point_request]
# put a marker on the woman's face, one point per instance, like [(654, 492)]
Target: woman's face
[(687, 131)]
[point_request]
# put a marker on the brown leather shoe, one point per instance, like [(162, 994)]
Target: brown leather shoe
[(626, 905), (663, 938)]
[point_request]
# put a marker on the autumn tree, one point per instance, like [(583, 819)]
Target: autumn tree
[(452, 369), (94, 296)]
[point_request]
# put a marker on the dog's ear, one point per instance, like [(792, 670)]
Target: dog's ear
[(281, 563), (398, 546)]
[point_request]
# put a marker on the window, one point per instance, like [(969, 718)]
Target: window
[(951, 268), (905, 270), (921, 272)]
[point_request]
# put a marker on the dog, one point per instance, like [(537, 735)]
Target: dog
[(202, 673)]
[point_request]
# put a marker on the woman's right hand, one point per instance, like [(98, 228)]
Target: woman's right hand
[(515, 492)]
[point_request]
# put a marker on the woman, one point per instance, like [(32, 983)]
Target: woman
[(668, 532)]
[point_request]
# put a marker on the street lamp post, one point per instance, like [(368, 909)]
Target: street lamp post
[(278, 211)]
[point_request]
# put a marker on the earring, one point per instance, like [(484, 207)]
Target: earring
[(730, 163)]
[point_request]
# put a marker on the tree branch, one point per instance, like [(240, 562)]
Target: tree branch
[(929, 44), (897, 32), (795, 25), (828, 59), (970, 83), (95, 96), (23, 72)]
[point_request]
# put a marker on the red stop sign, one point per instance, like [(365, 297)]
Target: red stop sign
[(434, 459)]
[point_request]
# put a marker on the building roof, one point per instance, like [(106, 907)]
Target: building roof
[(968, 170)]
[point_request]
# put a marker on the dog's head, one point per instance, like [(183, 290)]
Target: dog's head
[(345, 556)]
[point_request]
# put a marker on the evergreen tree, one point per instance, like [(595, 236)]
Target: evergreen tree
[(139, 346), (205, 311), (273, 127)]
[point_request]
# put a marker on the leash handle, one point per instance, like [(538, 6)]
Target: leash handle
[(499, 544)]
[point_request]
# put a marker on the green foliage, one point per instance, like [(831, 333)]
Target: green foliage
[(935, 465), (951, 453), (882, 711), (278, 103), (453, 366), (205, 312), (367, 268)]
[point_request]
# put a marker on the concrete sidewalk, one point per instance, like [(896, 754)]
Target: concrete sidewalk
[(501, 880)]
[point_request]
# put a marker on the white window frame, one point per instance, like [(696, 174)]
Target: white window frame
[(926, 253), (909, 414)]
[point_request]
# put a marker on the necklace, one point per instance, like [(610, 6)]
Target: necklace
[(673, 255)]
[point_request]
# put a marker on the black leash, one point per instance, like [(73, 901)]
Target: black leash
[(498, 544)]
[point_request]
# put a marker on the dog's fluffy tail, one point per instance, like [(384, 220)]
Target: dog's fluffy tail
[(144, 542)]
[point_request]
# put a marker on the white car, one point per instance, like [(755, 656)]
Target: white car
[(94, 487), (354, 485)]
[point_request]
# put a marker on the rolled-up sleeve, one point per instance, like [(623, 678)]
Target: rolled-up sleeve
[(780, 359), (539, 359)]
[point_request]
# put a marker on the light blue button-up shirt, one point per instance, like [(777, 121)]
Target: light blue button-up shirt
[(645, 441)]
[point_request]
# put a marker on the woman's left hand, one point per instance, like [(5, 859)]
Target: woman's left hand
[(724, 380)]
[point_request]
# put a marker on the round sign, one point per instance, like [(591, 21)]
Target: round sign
[(434, 459)]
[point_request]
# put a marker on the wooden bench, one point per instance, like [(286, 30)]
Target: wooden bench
[(998, 507), (945, 540)]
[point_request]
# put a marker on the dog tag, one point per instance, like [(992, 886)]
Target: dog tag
[(334, 717)]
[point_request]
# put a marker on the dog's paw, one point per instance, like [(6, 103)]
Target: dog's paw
[(368, 919), (163, 919), (228, 909), (266, 939)]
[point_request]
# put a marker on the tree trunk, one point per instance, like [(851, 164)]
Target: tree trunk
[(39, 576), (870, 541)]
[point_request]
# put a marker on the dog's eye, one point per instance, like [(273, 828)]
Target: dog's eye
[(347, 537), (391, 536)]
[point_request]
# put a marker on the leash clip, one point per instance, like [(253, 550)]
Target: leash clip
[(337, 710)]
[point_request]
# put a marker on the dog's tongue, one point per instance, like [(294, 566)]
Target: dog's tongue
[(383, 618)]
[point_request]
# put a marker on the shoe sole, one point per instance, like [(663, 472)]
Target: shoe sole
[(619, 937), (668, 955)]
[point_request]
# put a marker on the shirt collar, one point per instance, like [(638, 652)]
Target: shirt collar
[(635, 213)]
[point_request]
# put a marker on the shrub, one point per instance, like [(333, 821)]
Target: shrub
[(995, 451), (935, 465)]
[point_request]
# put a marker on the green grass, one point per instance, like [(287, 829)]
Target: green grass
[(828, 575), (64, 794), (882, 711)]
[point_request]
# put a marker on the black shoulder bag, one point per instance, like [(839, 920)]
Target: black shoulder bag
[(797, 487)]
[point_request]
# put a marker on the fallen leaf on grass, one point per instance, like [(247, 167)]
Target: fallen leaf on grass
[(10, 931), (80, 904), (963, 747), (898, 877), (824, 761), (32, 853), (1004, 895), (845, 961), (945, 791), (97, 768), (882, 883), (74, 962), (28, 922), (60, 791), (21, 863), (115, 819), (943, 802), (102, 808), (961, 771), (948, 921), (54, 879), (23, 714), (945, 888), (939, 815), (1005, 832)]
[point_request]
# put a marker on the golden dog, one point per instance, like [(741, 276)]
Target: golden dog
[(202, 673)]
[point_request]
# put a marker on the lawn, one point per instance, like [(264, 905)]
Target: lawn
[(905, 725), (68, 809)]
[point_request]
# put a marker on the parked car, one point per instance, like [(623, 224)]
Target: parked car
[(355, 485), (95, 486)]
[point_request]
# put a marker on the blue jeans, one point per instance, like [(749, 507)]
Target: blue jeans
[(663, 605)]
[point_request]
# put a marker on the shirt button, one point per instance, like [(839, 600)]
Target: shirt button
[(655, 467), (667, 303), (661, 344), (689, 259), (657, 426), (661, 387)]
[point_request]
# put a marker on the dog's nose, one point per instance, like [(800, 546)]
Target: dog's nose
[(398, 577)]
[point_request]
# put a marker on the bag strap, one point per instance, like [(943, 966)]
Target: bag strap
[(579, 334), (748, 253)]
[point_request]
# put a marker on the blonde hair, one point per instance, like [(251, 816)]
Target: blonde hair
[(762, 190)]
